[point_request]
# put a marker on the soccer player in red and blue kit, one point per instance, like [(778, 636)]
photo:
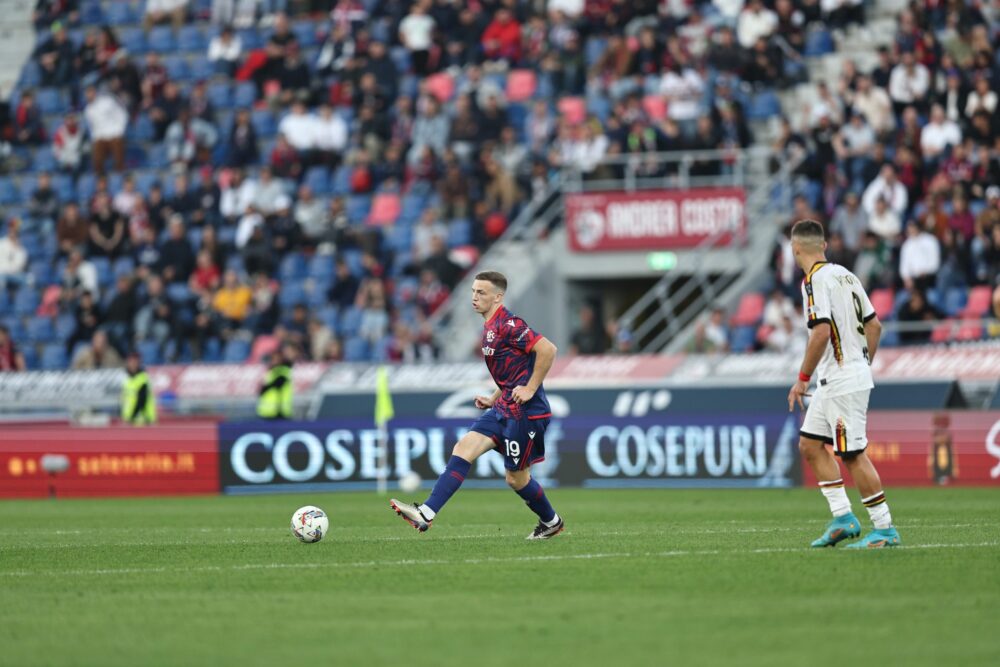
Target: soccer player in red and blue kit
[(516, 414)]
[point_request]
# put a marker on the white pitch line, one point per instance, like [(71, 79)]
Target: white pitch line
[(465, 561)]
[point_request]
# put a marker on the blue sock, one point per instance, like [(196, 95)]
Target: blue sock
[(448, 483), (534, 496)]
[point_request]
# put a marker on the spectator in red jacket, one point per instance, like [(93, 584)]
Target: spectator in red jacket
[(502, 38), (11, 358)]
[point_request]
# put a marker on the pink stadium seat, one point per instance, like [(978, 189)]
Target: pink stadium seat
[(263, 346), (465, 256), (942, 333), (521, 85), (441, 85), (969, 331), (574, 109), (655, 107), (385, 209), (750, 310), (978, 304), (883, 300)]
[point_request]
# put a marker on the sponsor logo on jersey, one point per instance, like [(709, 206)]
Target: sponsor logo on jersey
[(510, 323), (488, 351)]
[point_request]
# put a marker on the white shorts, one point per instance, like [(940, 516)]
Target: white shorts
[(840, 421)]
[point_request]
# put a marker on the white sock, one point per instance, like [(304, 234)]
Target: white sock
[(554, 521), (836, 497), (427, 512), (878, 510)]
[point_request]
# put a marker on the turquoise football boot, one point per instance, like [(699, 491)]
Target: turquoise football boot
[(877, 539), (842, 528)]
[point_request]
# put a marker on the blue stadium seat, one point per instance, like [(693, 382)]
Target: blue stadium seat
[(103, 267), (201, 69), (292, 293), (133, 40), (120, 13), (30, 357), (401, 58), (340, 183), (43, 159), (356, 349), (358, 207), (180, 293), (399, 237), (600, 106), (54, 357), (191, 39), (245, 94), (329, 316), (236, 351), (305, 33), (14, 326), (40, 330), (177, 68), (318, 179), (123, 266), (91, 13), (764, 105), (220, 94), (50, 101), (212, 352), (64, 326), (594, 49), (161, 39), (31, 75), (26, 302), (10, 193), (743, 338), (251, 39), (350, 321), (819, 43), (5, 303), (149, 350), (321, 268), (265, 124), (64, 187), (954, 300), (41, 272), (293, 268), (459, 233)]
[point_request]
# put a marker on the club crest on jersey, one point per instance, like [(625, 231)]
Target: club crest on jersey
[(490, 335)]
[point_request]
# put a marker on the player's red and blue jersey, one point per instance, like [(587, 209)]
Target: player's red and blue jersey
[(507, 344)]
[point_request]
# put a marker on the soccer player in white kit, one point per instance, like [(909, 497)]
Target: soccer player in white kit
[(844, 334)]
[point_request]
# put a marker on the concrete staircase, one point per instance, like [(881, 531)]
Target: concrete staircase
[(17, 40)]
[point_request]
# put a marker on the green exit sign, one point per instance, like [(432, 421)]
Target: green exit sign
[(661, 261)]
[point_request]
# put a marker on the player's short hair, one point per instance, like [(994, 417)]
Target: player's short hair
[(808, 231), (498, 279)]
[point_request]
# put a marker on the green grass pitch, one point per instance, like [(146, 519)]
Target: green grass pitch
[(639, 578)]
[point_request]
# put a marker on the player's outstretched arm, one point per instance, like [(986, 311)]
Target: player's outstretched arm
[(873, 333), (819, 338), (545, 354)]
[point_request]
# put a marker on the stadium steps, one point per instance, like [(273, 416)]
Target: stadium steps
[(17, 40)]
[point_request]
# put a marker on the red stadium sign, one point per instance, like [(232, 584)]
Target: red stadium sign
[(653, 220), (173, 459), (926, 448)]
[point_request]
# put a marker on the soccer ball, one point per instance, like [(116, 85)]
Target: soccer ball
[(309, 524), (410, 482)]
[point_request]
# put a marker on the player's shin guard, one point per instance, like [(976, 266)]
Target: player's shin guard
[(836, 496), (447, 484), (878, 510), (534, 496)]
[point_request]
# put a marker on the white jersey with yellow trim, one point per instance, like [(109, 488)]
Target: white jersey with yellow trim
[(834, 295)]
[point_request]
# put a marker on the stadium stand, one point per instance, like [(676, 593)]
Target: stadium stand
[(400, 121)]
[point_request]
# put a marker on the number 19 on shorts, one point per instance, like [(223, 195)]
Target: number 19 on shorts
[(513, 448)]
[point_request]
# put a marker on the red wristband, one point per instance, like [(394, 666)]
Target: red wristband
[(803, 377)]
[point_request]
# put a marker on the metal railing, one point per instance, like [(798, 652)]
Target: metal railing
[(659, 316)]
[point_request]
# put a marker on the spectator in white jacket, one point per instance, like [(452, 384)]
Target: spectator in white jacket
[(886, 186), (162, 11), (919, 258), (107, 121), (331, 136), (13, 257), (755, 21), (908, 82), (938, 134), (225, 50), (299, 128)]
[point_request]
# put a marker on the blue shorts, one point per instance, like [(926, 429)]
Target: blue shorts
[(521, 441)]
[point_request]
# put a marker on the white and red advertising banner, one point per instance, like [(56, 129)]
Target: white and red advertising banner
[(653, 219)]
